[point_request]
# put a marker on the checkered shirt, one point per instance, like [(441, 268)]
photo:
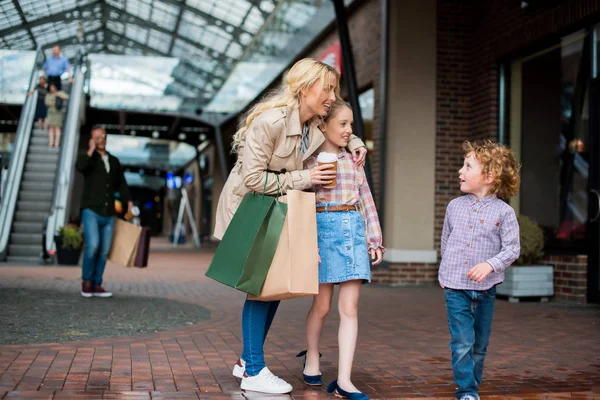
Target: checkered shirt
[(476, 231), (351, 188)]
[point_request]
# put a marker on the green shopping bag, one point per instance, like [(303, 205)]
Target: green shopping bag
[(243, 257)]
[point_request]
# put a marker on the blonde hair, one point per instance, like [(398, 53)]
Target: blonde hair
[(335, 107), (301, 77), (498, 160)]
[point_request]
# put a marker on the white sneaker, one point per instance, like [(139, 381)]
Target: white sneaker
[(239, 368), (266, 382)]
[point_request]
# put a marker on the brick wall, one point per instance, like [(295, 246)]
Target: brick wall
[(570, 277), (454, 42), (412, 274)]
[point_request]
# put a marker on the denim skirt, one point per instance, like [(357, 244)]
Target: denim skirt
[(342, 247)]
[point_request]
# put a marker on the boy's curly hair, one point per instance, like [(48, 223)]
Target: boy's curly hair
[(498, 160)]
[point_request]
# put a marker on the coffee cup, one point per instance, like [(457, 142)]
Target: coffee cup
[(328, 159)]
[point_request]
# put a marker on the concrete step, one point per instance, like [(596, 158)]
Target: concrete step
[(25, 250), (51, 158), (37, 186), (37, 166), (26, 195), (47, 177), (38, 140), (41, 149), (26, 238), (28, 216), (36, 206), (39, 133), (27, 227), (24, 260)]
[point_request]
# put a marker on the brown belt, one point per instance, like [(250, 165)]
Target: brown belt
[(342, 208)]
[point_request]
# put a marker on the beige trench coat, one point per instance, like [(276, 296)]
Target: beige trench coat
[(272, 143)]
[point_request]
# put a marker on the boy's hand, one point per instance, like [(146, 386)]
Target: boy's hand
[(479, 272)]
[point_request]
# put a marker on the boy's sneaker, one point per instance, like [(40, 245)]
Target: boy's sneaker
[(100, 292), (265, 382), (239, 368), (469, 397)]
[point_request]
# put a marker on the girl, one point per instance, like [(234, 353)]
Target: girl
[(55, 115), (344, 248), (278, 134)]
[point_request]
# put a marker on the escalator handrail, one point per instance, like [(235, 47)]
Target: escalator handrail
[(64, 172), (17, 162)]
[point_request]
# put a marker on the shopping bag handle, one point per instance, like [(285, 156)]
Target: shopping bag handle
[(265, 186)]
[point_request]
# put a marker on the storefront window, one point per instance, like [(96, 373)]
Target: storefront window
[(549, 133)]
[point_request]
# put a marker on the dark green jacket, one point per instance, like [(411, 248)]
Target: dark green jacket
[(99, 187)]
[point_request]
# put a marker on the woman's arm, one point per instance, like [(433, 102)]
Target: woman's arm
[(258, 150)]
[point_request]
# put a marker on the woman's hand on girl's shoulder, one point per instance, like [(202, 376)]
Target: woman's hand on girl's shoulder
[(359, 156), (376, 255)]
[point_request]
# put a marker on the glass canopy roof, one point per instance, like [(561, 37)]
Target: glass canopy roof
[(218, 54)]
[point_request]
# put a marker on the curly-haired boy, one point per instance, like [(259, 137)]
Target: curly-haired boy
[(480, 239)]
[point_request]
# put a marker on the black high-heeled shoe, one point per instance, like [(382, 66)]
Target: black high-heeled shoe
[(311, 380), (334, 388)]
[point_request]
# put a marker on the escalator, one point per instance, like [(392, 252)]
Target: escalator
[(34, 177)]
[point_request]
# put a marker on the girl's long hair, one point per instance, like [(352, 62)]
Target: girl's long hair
[(301, 77)]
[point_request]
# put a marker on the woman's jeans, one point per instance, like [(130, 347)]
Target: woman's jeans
[(470, 314), (257, 317), (98, 231)]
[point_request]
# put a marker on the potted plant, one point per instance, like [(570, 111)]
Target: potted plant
[(69, 241), (527, 277)]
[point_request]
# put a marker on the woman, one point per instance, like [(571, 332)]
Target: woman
[(55, 115), (278, 135), (41, 111)]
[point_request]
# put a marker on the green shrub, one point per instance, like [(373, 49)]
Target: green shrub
[(71, 238), (532, 241)]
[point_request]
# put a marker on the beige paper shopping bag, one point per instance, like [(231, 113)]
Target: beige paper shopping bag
[(294, 271), (126, 237)]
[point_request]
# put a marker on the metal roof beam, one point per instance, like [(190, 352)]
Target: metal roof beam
[(24, 22), (73, 40), (124, 41), (125, 17), (61, 16), (236, 30)]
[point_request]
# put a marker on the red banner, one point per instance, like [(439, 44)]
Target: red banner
[(332, 56)]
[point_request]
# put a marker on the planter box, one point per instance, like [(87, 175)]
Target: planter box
[(66, 256), (527, 281)]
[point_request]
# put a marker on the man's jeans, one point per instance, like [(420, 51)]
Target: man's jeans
[(257, 317), (470, 315), (98, 232)]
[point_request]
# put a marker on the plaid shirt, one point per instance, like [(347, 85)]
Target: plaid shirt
[(351, 188), (477, 231)]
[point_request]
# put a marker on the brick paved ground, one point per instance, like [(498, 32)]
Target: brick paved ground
[(538, 351)]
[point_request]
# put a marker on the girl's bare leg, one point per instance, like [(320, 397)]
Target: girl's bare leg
[(314, 326), (348, 331), (50, 136), (57, 130)]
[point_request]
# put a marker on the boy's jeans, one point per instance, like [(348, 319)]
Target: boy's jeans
[(470, 314), (98, 231), (257, 317)]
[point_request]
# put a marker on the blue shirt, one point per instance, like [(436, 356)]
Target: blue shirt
[(56, 66)]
